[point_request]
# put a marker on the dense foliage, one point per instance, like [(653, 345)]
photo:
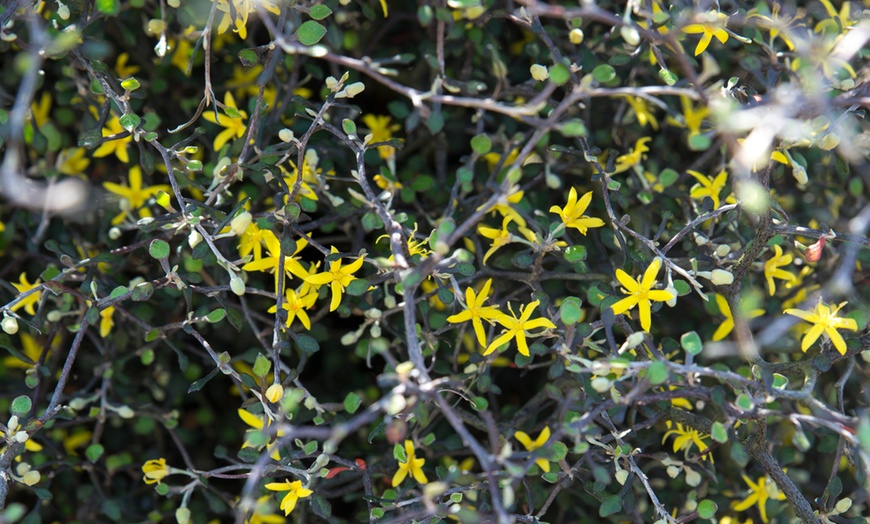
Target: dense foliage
[(397, 261)]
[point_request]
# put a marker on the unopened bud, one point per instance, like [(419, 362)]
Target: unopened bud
[(53, 316), (237, 285), (240, 223), (125, 412), (182, 515), (285, 135), (539, 72), (630, 35), (10, 325), (600, 384), (723, 250), (576, 36), (21, 437), (114, 233), (193, 239), (275, 393), (31, 478)]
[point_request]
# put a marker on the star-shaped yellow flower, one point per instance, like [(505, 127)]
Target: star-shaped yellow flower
[(382, 129), (634, 157), (708, 187), (30, 300), (502, 237), (295, 306), (640, 293), (711, 27), (572, 214), (760, 492), (772, 268), (685, 438), (532, 445), (116, 146), (258, 423), (412, 465), (337, 277), (271, 263), (728, 324), (516, 327), (475, 311), (134, 195), (294, 490), (233, 127), (825, 320)]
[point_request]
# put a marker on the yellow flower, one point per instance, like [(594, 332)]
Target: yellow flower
[(252, 240), (295, 306), (693, 118), (685, 438), (728, 324), (412, 465), (233, 127), (572, 214), (305, 189), (633, 158), (531, 445), (124, 71), (475, 311), (263, 513), (73, 161), (28, 302), (824, 319), (772, 268), (294, 490), (640, 293), (505, 204), (381, 129), (387, 184), (502, 237), (759, 493), (237, 15), (711, 27), (384, 7), (642, 111), (41, 111), (258, 423), (117, 146), (30, 348), (271, 263), (134, 196), (155, 471), (516, 327), (337, 277), (707, 187), (106, 322)]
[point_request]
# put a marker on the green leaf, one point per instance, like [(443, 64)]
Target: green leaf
[(109, 7), (307, 344), (21, 405), (559, 74), (117, 292), (142, 292), (248, 57), (668, 176), (159, 249), (682, 287), (744, 401), (357, 287), (319, 12), (551, 477), (481, 144), (604, 73), (699, 142), (262, 365), (131, 84), (574, 127), (320, 506), (707, 509), (575, 254), (611, 505), (558, 451), (719, 433), (569, 310), (691, 343), (348, 126), (197, 385), (352, 402), (657, 372), (94, 452), (779, 381), (310, 32), (668, 76), (130, 121), (216, 316)]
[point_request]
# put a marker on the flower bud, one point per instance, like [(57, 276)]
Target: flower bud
[(193, 239), (54, 316), (237, 285), (125, 412), (723, 250), (31, 478), (240, 223), (285, 135), (182, 515), (275, 393), (21, 437), (630, 35), (539, 72), (576, 36), (114, 233), (10, 325)]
